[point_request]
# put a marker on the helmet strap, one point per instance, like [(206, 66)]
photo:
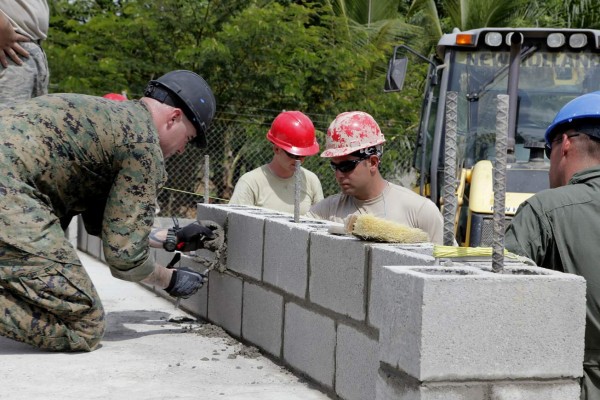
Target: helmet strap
[(369, 151), (164, 96), (160, 94)]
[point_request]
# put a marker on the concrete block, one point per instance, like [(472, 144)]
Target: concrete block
[(390, 386), (234, 207), (225, 302), (425, 249), (262, 318), (389, 254), (466, 323), (309, 343), (449, 391), (162, 222), (82, 235), (72, 230), (163, 257), (356, 364), (245, 234), (93, 246), (214, 212), (547, 390), (286, 255), (198, 303), (219, 212), (338, 273)]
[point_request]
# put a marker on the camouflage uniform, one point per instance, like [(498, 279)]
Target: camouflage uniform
[(64, 155)]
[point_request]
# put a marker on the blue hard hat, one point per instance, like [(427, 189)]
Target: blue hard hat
[(581, 108)]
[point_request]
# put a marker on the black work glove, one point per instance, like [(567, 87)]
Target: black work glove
[(216, 241), (193, 236), (185, 282)]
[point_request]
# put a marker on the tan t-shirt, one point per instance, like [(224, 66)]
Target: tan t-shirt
[(262, 188), (396, 203), (28, 17)]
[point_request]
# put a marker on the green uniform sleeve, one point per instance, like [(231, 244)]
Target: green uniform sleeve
[(527, 235), (130, 211)]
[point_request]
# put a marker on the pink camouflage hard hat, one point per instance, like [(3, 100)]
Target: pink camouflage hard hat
[(351, 131)]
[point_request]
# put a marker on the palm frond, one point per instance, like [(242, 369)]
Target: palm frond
[(428, 9)]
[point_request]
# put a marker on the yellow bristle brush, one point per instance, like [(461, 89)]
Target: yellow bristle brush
[(369, 227)]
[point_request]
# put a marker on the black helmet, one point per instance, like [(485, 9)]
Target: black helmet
[(188, 91)]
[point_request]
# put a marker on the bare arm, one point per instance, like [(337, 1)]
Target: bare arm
[(157, 237), (9, 43), (160, 277)]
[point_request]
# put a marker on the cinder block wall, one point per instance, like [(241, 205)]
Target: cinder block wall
[(381, 321)]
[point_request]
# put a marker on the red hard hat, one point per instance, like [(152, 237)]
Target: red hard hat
[(294, 132), (115, 97), (351, 131)]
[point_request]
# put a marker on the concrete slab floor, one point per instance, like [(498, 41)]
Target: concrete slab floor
[(144, 356)]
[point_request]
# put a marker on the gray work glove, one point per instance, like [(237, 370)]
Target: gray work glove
[(185, 282), (216, 241)]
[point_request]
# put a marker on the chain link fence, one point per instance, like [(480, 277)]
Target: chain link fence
[(237, 144)]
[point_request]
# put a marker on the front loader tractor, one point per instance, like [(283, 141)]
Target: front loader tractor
[(540, 70)]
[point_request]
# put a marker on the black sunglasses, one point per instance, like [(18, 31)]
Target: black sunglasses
[(293, 156), (346, 165), (558, 139)]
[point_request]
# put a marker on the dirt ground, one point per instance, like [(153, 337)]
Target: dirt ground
[(150, 351)]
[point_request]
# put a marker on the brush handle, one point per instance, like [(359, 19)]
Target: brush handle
[(349, 222)]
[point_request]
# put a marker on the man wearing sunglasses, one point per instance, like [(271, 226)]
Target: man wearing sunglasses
[(354, 146), (558, 228), (272, 185)]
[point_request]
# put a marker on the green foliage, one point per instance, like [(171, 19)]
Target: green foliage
[(322, 57), (438, 17), (276, 58), (566, 13), (97, 46), (271, 57), (260, 57)]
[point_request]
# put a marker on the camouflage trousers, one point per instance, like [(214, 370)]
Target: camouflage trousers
[(22, 82), (47, 304)]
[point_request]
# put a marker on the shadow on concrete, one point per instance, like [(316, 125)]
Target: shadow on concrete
[(12, 347), (132, 324), (121, 325), (9, 347)]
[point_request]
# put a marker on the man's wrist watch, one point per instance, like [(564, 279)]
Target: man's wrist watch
[(170, 243)]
